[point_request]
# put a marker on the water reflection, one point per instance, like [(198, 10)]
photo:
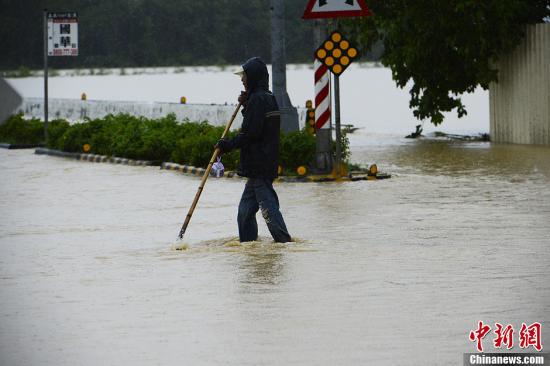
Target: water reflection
[(259, 262), (262, 266)]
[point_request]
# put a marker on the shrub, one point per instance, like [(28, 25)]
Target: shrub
[(17, 130), (196, 146), (75, 137), (344, 145), (159, 138), (125, 133), (56, 129), (296, 149), (163, 139)]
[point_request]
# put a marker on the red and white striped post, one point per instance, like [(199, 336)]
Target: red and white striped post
[(323, 126), (322, 95)]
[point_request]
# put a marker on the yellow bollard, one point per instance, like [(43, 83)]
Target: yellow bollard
[(339, 172), (373, 170)]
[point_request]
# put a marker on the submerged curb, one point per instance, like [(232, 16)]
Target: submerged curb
[(19, 146), (330, 178), (191, 170), (92, 157), (187, 169)]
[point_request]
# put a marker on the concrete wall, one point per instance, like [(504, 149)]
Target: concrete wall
[(520, 101), (76, 110)]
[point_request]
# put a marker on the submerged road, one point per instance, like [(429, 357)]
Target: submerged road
[(394, 272)]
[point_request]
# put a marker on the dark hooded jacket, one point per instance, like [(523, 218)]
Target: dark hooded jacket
[(260, 130)]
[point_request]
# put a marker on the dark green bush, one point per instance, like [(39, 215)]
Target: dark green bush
[(297, 148), (195, 147), (17, 130), (344, 145), (75, 137), (56, 129), (157, 140), (125, 133)]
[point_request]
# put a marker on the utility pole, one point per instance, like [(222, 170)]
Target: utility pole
[(289, 114)]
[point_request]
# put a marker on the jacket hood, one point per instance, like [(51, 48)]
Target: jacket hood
[(256, 74)]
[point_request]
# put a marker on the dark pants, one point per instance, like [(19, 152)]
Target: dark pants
[(259, 195)]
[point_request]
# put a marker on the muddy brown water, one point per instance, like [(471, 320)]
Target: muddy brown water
[(393, 272)]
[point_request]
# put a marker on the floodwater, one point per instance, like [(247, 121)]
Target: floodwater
[(369, 97), (391, 272)]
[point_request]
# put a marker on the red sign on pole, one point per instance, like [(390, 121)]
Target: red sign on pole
[(336, 9)]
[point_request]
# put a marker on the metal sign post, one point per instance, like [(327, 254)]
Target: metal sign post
[(60, 39), (46, 76), (337, 124)]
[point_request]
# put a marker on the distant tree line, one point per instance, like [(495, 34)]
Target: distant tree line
[(445, 48), (129, 33)]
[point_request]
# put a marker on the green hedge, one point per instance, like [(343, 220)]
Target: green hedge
[(157, 140), (18, 130), (296, 149), (141, 138)]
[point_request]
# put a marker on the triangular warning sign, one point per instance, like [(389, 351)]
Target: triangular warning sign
[(10, 100), (336, 9)]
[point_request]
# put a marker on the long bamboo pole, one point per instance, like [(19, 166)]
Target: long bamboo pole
[(206, 173)]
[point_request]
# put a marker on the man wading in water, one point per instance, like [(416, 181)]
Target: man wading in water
[(259, 144)]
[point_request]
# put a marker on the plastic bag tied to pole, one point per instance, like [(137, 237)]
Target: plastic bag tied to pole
[(217, 169)]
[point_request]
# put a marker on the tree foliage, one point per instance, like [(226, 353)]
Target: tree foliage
[(445, 48)]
